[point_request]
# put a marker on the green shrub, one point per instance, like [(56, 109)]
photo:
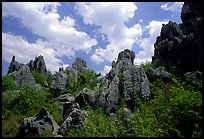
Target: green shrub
[(8, 83), (148, 65), (39, 77), (28, 101), (97, 125), (88, 79)]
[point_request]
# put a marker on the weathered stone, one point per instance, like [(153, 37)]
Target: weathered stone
[(80, 65), (41, 122), (123, 81), (113, 94), (159, 73), (181, 45), (68, 108), (66, 98), (38, 65), (127, 113), (60, 81), (23, 76), (45, 84), (195, 75), (71, 116), (14, 65), (65, 126), (127, 55), (86, 97)]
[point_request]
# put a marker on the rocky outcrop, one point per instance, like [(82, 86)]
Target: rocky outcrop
[(71, 116), (66, 98), (193, 78), (38, 124), (180, 45), (14, 65), (159, 73), (38, 65), (60, 81), (23, 76), (80, 65), (86, 97), (62, 76), (124, 81)]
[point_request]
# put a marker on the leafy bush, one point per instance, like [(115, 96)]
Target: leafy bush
[(39, 77), (8, 83), (97, 125), (88, 79)]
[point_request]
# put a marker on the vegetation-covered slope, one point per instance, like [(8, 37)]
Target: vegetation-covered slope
[(173, 109)]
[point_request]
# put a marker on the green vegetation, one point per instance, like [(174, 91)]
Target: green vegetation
[(173, 109), (146, 66), (26, 102), (40, 78), (8, 83), (88, 79)]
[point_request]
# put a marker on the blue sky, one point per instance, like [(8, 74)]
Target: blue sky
[(96, 31)]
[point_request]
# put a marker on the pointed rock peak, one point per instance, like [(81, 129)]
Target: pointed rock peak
[(126, 54), (79, 64), (13, 59), (14, 65), (38, 64)]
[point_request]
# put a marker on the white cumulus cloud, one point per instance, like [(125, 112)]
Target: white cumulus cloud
[(42, 19), (111, 18), (25, 51), (147, 43), (106, 69), (175, 7)]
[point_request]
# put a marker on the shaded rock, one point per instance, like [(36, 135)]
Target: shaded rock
[(41, 122), (66, 98), (181, 45), (112, 95), (159, 73), (65, 126), (58, 136), (14, 65), (23, 76), (60, 81), (123, 81), (127, 55), (68, 108), (127, 113), (111, 117), (195, 75), (71, 116), (80, 65), (86, 97), (38, 65), (45, 84)]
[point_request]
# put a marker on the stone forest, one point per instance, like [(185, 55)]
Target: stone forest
[(158, 99)]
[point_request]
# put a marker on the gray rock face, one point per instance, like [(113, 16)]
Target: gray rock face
[(45, 84), (66, 98), (127, 55), (123, 81), (62, 76), (195, 75), (41, 122), (181, 45), (38, 64), (60, 81), (86, 97), (71, 116), (80, 65), (23, 76), (14, 65), (159, 73)]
